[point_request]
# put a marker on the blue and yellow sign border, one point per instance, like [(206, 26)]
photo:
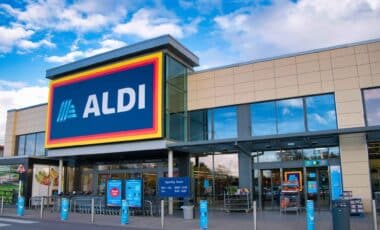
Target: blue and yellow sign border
[(131, 135)]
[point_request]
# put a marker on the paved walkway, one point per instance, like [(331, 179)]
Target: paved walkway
[(217, 220)]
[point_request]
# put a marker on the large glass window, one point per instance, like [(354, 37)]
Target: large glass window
[(372, 106), (321, 112), (40, 144), (299, 154), (31, 144), (198, 125), (214, 175), (225, 123), (21, 145), (176, 99), (290, 115), (263, 118)]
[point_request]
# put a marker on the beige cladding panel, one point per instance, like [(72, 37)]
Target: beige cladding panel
[(355, 172), (31, 120), (10, 140), (337, 71)]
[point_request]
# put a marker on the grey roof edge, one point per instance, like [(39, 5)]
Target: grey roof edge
[(136, 48), (346, 45), (28, 107)]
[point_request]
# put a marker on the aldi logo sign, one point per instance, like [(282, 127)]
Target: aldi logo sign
[(117, 102), (66, 111)]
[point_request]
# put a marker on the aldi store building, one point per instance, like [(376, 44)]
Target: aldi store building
[(142, 112)]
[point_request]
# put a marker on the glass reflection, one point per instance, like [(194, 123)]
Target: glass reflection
[(263, 119), (290, 115), (316, 154), (21, 145), (40, 145), (214, 175), (291, 155), (372, 106), (30, 144), (198, 127), (321, 112), (270, 156), (225, 123)]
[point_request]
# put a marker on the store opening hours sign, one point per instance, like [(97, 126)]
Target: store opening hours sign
[(174, 187)]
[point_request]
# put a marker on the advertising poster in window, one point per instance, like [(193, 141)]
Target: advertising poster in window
[(336, 182), (114, 192), (294, 176), (133, 191), (45, 180), (9, 183)]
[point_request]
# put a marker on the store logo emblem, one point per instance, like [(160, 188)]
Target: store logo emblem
[(66, 111)]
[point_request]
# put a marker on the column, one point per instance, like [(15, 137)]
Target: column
[(60, 173), (355, 163), (170, 174)]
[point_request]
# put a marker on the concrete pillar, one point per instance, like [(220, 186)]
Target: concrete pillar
[(60, 174), (170, 174), (245, 171), (355, 167)]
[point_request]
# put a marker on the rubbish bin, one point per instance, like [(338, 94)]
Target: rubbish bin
[(341, 214), (188, 212)]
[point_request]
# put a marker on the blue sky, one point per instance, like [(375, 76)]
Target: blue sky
[(39, 34)]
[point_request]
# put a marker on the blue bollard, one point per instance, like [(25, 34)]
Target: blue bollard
[(124, 212), (20, 206), (310, 214), (203, 218), (64, 209)]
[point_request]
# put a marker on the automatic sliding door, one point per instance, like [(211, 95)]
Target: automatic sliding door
[(271, 187)]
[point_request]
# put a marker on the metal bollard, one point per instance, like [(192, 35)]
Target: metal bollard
[(2, 205), (42, 208), (254, 216), (124, 212), (64, 209), (162, 214), (92, 209), (203, 215), (374, 215), (310, 215), (20, 206)]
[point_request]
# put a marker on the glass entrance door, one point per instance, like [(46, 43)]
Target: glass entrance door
[(270, 188), (318, 186)]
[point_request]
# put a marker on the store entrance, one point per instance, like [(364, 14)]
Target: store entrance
[(318, 187), (314, 184), (270, 189)]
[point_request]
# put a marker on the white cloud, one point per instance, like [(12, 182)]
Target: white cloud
[(19, 37), (202, 6), (10, 36), (81, 16), (290, 27), (15, 95), (74, 54), (148, 23)]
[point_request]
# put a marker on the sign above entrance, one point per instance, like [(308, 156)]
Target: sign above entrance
[(121, 101), (316, 163), (174, 187)]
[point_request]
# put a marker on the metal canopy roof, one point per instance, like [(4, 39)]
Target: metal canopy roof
[(249, 146), (151, 45)]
